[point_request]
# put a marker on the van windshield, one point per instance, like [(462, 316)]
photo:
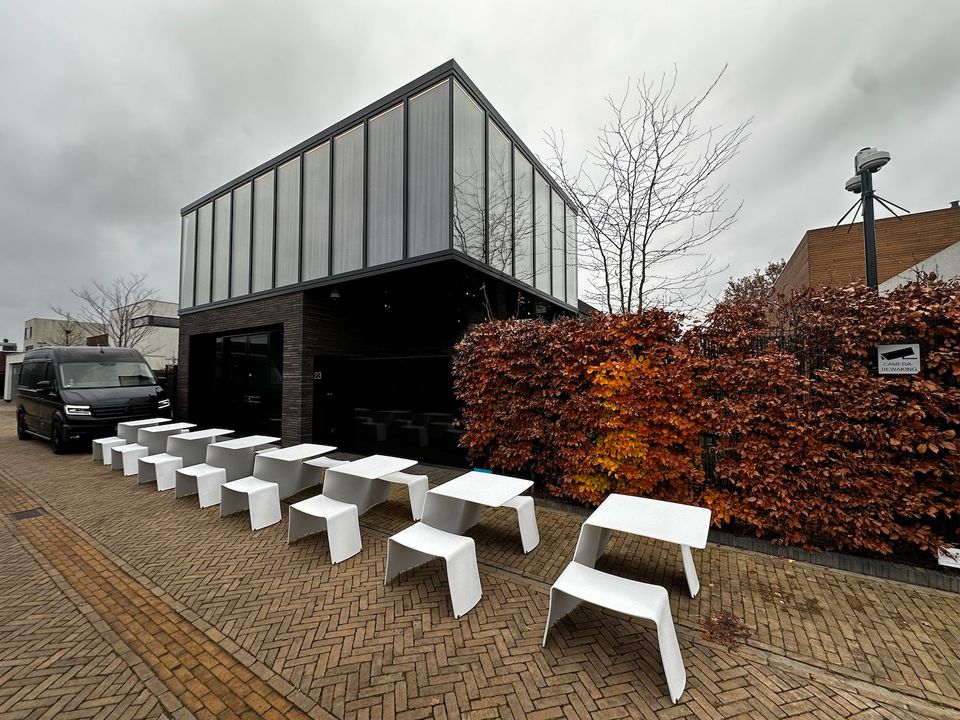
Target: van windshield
[(105, 374)]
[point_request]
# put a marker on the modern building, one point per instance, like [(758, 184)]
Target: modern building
[(322, 292), (51, 332), (159, 344), (835, 256)]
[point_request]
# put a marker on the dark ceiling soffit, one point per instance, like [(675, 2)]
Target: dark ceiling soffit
[(448, 69), (333, 280)]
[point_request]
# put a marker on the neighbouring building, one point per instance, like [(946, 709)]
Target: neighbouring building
[(50, 332), (159, 345), (322, 292), (834, 257)]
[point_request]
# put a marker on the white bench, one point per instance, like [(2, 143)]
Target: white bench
[(421, 543), (202, 480), (341, 521), (124, 457), (260, 497), (527, 520), (101, 448), (417, 486), (579, 583)]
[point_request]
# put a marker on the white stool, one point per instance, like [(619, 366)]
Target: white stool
[(261, 498), (579, 583), (124, 457), (417, 486), (203, 480), (527, 519), (421, 543), (161, 469), (101, 448), (340, 520)]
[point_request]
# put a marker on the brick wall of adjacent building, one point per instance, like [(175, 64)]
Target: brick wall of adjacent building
[(835, 257)]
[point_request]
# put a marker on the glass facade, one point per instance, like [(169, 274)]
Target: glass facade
[(188, 257), (571, 257), (541, 258), (348, 201), (424, 172), (499, 201), (316, 212), (428, 171), (385, 187), (469, 190), (262, 250), (204, 252), (558, 279), (221, 248), (288, 223), (523, 218), (240, 252)]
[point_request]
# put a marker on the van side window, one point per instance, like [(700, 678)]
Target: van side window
[(31, 373)]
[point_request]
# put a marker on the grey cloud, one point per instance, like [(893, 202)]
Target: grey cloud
[(115, 115)]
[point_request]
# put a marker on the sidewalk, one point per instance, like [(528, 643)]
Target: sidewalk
[(119, 601)]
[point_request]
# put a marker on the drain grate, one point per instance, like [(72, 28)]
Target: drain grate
[(24, 514)]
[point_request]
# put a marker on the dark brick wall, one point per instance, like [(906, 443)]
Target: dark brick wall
[(283, 310)]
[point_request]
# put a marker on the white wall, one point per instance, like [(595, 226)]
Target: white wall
[(946, 264), (12, 359)]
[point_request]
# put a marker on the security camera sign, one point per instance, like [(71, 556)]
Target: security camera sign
[(898, 359)]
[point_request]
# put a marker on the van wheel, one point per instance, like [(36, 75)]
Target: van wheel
[(21, 429), (58, 443)]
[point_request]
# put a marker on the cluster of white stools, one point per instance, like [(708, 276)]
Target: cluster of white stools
[(253, 474)]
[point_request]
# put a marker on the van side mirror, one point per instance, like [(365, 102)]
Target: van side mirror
[(44, 385)]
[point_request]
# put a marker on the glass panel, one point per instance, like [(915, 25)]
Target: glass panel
[(469, 195), (500, 215), (204, 252), (571, 257), (542, 225), (348, 200), (428, 157), (288, 223), (523, 217), (188, 258), (316, 212), (263, 232), (240, 270), (221, 247), (558, 280), (385, 185)]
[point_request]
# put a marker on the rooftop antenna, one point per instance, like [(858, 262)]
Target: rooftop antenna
[(865, 163)]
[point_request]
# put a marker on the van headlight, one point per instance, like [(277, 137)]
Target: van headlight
[(77, 409), (163, 404)]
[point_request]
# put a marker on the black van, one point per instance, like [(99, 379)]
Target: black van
[(71, 394)]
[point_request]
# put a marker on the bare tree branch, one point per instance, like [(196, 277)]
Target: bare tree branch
[(647, 197), (111, 308)]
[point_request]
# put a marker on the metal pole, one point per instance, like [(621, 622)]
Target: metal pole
[(869, 229)]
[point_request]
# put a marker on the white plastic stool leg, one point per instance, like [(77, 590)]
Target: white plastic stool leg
[(527, 520)]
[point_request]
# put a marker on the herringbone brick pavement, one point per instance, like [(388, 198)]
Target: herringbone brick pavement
[(339, 638)]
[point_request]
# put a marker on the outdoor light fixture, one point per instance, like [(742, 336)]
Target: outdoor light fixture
[(865, 163), (334, 294)]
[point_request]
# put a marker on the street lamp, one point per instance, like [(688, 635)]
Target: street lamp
[(865, 163)]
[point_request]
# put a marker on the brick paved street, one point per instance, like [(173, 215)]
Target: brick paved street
[(119, 601)]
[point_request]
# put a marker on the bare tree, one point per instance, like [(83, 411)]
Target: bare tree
[(648, 197), (69, 332), (111, 308), (756, 286)]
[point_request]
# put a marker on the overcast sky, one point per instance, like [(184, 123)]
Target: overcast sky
[(115, 115)]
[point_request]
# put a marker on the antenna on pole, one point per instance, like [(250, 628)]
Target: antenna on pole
[(865, 163)]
